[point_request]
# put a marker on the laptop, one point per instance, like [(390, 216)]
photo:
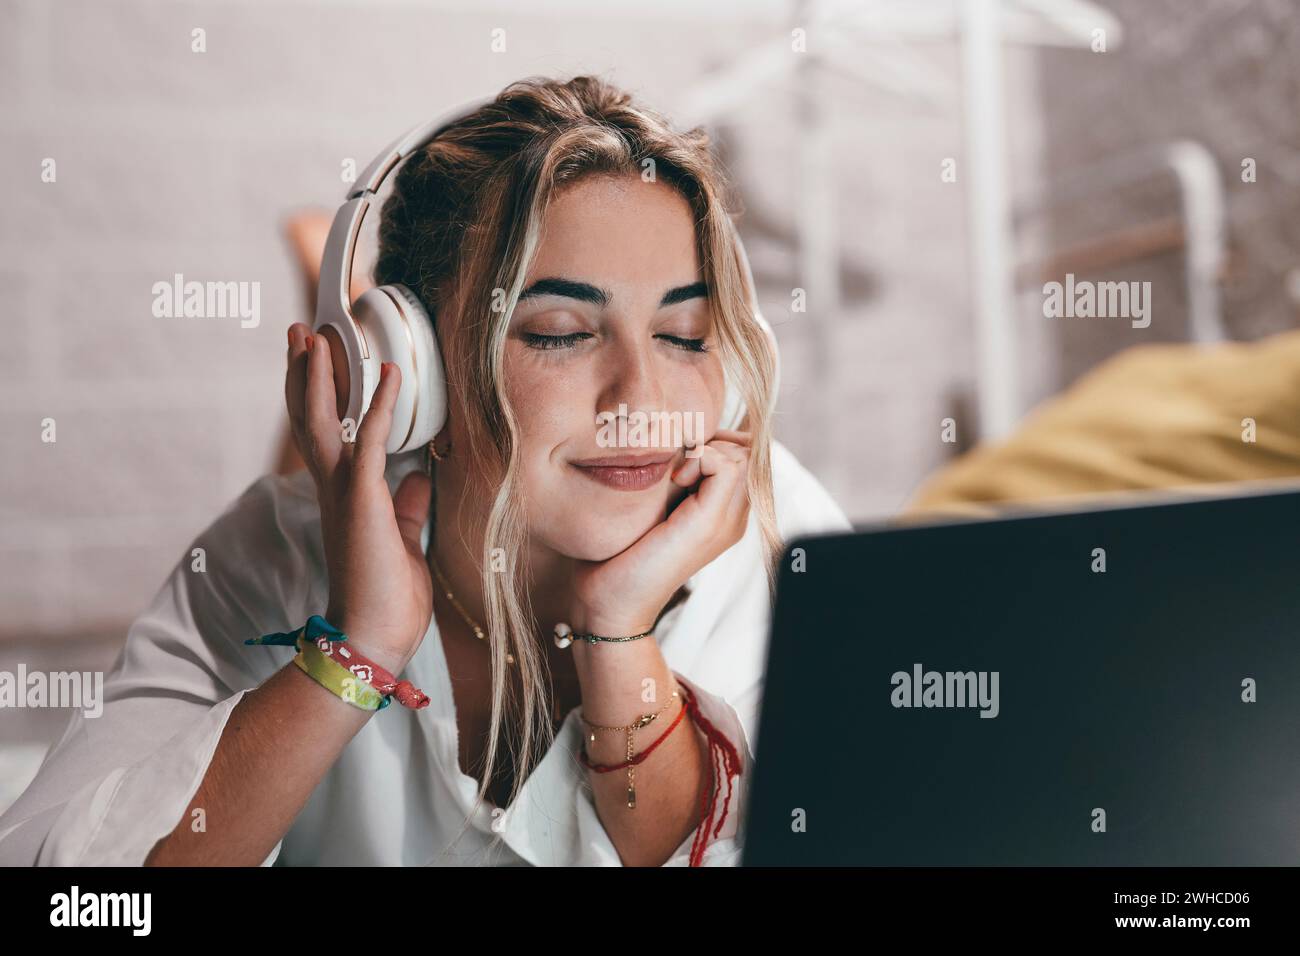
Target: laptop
[(1115, 686)]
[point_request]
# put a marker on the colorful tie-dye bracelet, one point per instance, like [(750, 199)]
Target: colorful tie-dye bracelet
[(343, 670)]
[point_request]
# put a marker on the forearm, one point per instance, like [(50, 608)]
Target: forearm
[(671, 782), (277, 745)]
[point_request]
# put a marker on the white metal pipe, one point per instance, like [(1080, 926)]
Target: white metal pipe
[(1201, 191), (996, 355)]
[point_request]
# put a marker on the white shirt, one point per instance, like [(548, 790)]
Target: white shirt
[(114, 785)]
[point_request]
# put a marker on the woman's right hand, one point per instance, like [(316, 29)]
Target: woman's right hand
[(381, 592)]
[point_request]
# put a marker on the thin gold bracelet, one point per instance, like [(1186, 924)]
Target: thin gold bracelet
[(643, 721)]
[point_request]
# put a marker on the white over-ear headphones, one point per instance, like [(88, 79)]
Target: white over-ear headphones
[(390, 324)]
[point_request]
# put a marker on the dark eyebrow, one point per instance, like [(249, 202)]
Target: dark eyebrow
[(585, 292), (683, 292), (582, 291)]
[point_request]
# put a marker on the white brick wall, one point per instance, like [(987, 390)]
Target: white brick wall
[(170, 161)]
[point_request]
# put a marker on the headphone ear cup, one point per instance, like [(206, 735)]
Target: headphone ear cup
[(431, 409), (396, 328)]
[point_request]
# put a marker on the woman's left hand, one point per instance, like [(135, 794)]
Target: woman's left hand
[(624, 595)]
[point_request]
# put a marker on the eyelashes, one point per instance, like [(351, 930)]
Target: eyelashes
[(547, 343), (690, 345)]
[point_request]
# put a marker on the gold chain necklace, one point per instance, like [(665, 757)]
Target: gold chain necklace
[(474, 625), (446, 589)]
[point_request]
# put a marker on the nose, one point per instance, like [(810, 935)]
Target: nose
[(632, 380)]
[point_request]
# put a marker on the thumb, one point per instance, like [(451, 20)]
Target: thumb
[(411, 508)]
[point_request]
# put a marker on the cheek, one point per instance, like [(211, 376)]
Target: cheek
[(703, 390), (547, 403), (556, 405), (556, 413), (551, 406)]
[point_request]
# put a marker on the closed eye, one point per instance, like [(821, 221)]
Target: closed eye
[(547, 342), (551, 342), (691, 345)]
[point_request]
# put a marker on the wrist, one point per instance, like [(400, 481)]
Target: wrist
[(607, 623), (368, 643), (393, 663)]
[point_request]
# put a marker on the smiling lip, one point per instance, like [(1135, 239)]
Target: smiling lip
[(626, 472)]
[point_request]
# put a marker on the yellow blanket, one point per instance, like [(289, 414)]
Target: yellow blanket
[(1155, 416)]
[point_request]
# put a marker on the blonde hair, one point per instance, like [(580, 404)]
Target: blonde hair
[(462, 225)]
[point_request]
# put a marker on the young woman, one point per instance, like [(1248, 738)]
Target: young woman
[(623, 291)]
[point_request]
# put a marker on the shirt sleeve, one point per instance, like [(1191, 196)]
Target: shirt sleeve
[(116, 783)]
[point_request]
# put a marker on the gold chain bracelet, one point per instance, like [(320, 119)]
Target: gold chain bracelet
[(643, 721)]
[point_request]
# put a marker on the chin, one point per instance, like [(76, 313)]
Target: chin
[(592, 536)]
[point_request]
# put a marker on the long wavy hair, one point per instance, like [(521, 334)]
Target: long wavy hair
[(460, 229)]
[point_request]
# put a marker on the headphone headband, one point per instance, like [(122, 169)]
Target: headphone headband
[(339, 255), (374, 175), (334, 290)]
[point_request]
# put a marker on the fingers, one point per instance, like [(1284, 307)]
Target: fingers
[(728, 434), (723, 438), (723, 490), (715, 462), (736, 453), (323, 430), (411, 506), (744, 439), (692, 469), (688, 472), (371, 454), (295, 383), (313, 411)]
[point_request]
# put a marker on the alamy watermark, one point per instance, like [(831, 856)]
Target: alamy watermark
[(638, 429), (1103, 300), (922, 688), (76, 908), (81, 689), (208, 300)]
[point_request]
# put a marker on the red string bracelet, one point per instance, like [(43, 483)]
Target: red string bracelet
[(722, 755), (608, 768)]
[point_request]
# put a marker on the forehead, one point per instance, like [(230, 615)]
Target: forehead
[(618, 229)]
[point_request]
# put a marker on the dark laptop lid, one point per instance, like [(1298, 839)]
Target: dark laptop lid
[(1146, 714)]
